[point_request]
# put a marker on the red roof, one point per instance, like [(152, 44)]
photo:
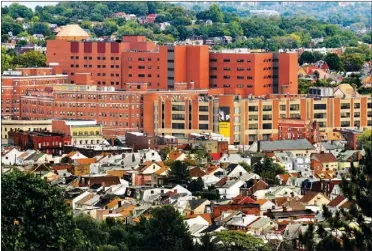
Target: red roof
[(241, 199), (336, 201), (215, 156), (325, 157)]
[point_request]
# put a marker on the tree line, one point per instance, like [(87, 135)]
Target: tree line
[(251, 32)]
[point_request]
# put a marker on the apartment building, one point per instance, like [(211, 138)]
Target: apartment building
[(136, 60), (17, 82), (24, 125)]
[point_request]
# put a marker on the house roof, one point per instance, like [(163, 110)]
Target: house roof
[(294, 204), (196, 172), (72, 30), (174, 155), (221, 182), (241, 199), (309, 196), (194, 204), (284, 177), (161, 170), (261, 201), (279, 201), (85, 161), (324, 157), (114, 172), (215, 156), (206, 217), (211, 228), (72, 154), (346, 89), (298, 144), (336, 201)]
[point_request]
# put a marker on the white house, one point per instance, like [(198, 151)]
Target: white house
[(230, 189), (284, 159), (234, 158), (9, 157)]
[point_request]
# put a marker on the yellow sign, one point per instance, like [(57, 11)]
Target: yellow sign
[(225, 128)]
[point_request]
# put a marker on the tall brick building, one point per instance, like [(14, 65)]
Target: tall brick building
[(136, 60)]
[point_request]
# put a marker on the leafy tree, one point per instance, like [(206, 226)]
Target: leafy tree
[(196, 185), (214, 13), (10, 26), (105, 29), (365, 139), (164, 153), (333, 61), (247, 167), (30, 59), (207, 243), (40, 28), (352, 62), (238, 240), (166, 230), (178, 172), (268, 171), (306, 57), (34, 217), (162, 38), (6, 60), (16, 10)]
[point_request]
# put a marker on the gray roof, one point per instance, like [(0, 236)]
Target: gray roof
[(196, 203), (298, 144), (329, 146)]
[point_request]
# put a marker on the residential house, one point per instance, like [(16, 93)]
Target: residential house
[(196, 206), (284, 159), (241, 222), (9, 156), (75, 155), (252, 186), (315, 199), (233, 158), (25, 158), (266, 204), (229, 188), (298, 147), (339, 202), (324, 162), (262, 226), (347, 157)]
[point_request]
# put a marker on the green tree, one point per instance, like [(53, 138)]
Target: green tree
[(214, 13), (306, 57), (11, 26), (238, 240), (352, 62), (207, 243), (196, 185), (40, 28), (333, 61), (6, 60), (105, 29), (247, 167), (164, 153), (34, 217), (268, 171), (365, 139), (178, 172), (16, 10), (30, 59), (166, 230)]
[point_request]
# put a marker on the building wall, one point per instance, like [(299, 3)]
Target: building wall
[(24, 125)]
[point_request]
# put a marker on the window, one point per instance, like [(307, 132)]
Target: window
[(240, 60), (226, 77), (356, 105), (240, 77), (345, 123), (141, 59), (226, 60), (282, 107), (178, 107), (213, 60), (356, 114), (253, 117), (320, 106), (203, 108), (267, 126), (213, 77), (213, 68), (203, 117), (141, 75), (226, 68), (203, 126), (295, 116), (141, 67), (294, 107), (267, 108), (226, 85), (178, 125), (178, 116), (345, 105), (253, 126), (266, 117), (253, 108)]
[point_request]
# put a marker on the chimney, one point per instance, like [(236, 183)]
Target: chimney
[(284, 209), (119, 203)]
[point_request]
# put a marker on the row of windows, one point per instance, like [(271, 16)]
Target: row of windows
[(228, 60), (86, 133), (228, 77), (143, 59), (98, 58)]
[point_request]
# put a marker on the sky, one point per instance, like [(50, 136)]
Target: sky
[(31, 5)]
